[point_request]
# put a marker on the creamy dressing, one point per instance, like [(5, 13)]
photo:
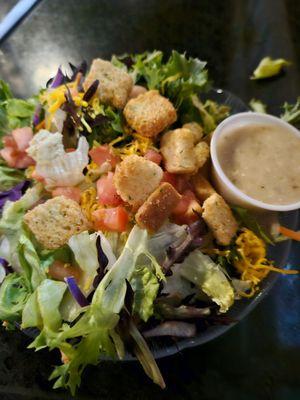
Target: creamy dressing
[(263, 161)]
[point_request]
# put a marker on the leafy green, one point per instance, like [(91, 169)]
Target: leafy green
[(292, 113), (96, 327), (247, 220), (145, 286), (14, 292), (31, 315), (208, 114), (269, 67), (106, 126), (12, 219), (209, 277), (29, 260), (258, 106), (14, 113), (49, 295), (9, 177)]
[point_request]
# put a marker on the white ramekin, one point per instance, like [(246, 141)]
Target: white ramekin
[(222, 183)]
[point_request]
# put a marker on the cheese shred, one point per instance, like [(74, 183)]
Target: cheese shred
[(252, 263)]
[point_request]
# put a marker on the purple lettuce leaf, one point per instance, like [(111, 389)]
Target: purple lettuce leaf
[(14, 193), (76, 292), (102, 260), (179, 250)]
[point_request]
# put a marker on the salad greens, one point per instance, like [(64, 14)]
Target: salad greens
[(109, 284), (14, 113), (258, 106), (269, 67), (291, 113)]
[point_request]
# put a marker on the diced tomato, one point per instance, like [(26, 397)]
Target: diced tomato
[(169, 178), (70, 192), (22, 137), (106, 191), (23, 160), (70, 150), (153, 156), (10, 156), (102, 154), (111, 219), (9, 141), (37, 177), (182, 184), (187, 210)]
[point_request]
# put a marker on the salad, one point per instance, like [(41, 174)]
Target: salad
[(111, 230)]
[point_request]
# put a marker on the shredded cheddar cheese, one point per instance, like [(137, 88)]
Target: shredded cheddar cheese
[(139, 146), (252, 263), (89, 203)]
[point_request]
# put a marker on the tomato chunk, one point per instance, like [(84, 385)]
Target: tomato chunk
[(102, 154), (187, 210), (106, 191), (70, 192), (22, 137), (153, 156), (169, 178), (111, 219)]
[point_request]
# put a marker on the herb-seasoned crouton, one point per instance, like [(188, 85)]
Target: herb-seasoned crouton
[(202, 153), (202, 187), (177, 149), (135, 178), (196, 129), (156, 209), (114, 83), (54, 222), (219, 218), (149, 113)]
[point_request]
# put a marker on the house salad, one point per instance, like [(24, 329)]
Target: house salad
[(111, 231)]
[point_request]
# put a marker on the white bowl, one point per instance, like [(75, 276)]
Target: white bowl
[(223, 184)]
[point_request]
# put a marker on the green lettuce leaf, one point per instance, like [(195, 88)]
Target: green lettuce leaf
[(14, 293), (269, 67), (145, 286), (291, 113), (14, 113), (9, 177), (258, 106), (31, 315), (209, 277), (96, 327), (11, 222), (249, 221), (29, 260)]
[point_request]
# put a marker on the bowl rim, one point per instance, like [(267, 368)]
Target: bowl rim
[(249, 117)]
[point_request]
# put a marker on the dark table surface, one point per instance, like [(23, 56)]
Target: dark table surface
[(260, 357)]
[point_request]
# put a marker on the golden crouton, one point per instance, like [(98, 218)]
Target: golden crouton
[(149, 113), (177, 149), (135, 178), (157, 208), (219, 218), (196, 129), (202, 187), (202, 153), (54, 222), (114, 83)]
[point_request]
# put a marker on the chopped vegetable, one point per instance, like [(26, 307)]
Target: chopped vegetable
[(258, 106), (292, 113), (269, 67), (172, 328)]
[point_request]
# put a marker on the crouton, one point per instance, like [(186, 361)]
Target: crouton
[(135, 178), (55, 221), (157, 208), (202, 187), (219, 218), (149, 113), (202, 153), (114, 83), (196, 129), (177, 149)]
